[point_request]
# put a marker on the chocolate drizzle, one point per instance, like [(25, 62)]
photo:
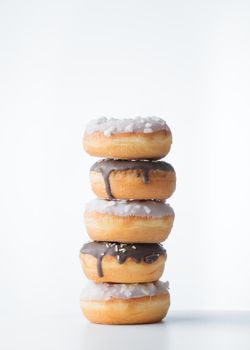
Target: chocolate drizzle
[(106, 166), (148, 253)]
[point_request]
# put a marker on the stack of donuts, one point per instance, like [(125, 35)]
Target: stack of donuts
[(128, 221)]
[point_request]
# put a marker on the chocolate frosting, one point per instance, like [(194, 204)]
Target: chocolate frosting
[(148, 253), (106, 166)]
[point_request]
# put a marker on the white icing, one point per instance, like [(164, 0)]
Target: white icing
[(147, 131), (130, 208), (127, 125), (106, 291)]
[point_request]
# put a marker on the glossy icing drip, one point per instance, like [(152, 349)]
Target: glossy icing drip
[(148, 253), (106, 166)]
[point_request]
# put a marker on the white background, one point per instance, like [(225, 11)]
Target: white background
[(65, 62)]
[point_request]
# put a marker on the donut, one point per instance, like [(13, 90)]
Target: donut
[(124, 179), (125, 303), (122, 262), (139, 138), (128, 221)]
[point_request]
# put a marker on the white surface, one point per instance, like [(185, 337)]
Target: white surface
[(189, 330), (63, 62)]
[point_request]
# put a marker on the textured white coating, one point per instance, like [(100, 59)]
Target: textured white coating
[(107, 291), (130, 208), (128, 125)]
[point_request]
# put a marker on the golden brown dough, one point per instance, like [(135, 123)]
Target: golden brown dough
[(128, 229), (136, 145), (127, 272), (127, 311), (127, 184)]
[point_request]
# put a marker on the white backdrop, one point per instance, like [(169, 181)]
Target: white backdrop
[(65, 62)]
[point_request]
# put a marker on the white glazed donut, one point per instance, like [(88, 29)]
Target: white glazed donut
[(138, 138), (128, 221), (125, 303)]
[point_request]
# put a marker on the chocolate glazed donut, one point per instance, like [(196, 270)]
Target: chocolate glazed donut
[(107, 166), (148, 253)]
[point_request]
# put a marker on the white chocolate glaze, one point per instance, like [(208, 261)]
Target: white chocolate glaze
[(107, 291), (130, 208), (128, 125)]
